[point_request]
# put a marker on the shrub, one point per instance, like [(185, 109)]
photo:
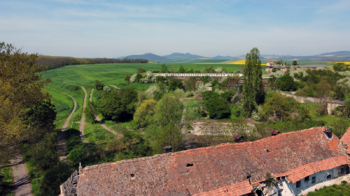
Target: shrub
[(98, 85), (118, 105), (175, 84), (286, 83), (141, 70), (216, 107), (203, 113)]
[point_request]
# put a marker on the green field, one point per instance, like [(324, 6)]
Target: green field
[(68, 79)]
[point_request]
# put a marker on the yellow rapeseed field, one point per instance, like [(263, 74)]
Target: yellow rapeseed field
[(240, 62)]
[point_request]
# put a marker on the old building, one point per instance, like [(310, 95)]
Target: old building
[(297, 161), (270, 67)]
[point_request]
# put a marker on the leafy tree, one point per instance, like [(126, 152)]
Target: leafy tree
[(190, 83), (175, 84), (253, 92), (279, 62), (284, 108), (98, 85), (209, 69), (295, 62), (141, 70), (339, 67), (118, 105), (21, 88), (143, 113), (127, 78), (227, 96), (170, 135), (347, 109), (205, 79), (214, 84), (138, 78), (216, 107), (286, 83), (169, 110), (164, 69), (181, 69)]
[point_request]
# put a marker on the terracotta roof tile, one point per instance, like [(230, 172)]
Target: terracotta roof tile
[(241, 188), (208, 171), (346, 140)]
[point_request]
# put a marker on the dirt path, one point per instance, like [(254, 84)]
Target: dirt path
[(21, 180), (114, 86), (82, 122), (100, 121), (183, 122), (62, 149)]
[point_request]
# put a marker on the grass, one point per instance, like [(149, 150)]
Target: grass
[(6, 180), (335, 190), (192, 110)]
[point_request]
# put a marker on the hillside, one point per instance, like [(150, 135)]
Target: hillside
[(151, 57)]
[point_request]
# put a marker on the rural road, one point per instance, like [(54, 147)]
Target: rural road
[(82, 122), (21, 180), (114, 86), (62, 149), (100, 121)]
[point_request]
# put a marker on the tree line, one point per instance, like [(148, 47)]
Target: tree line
[(53, 62)]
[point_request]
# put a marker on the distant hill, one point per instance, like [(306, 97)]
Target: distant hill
[(151, 57), (339, 53), (223, 57), (183, 56), (180, 57)]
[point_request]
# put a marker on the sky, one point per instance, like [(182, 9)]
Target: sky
[(106, 28)]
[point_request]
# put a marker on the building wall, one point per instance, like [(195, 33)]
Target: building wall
[(285, 188)]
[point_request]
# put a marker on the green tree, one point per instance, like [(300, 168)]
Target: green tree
[(205, 79), (295, 62), (141, 70), (253, 92), (182, 69), (169, 110), (20, 88), (138, 78), (339, 67), (286, 83), (127, 78), (164, 69), (98, 85), (143, 113), (175, 84), (216, 107), (118, 105)]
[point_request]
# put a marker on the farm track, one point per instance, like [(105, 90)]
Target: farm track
[(82, 122), (62, 149), (114, 86), (20, 175), (99, 120)]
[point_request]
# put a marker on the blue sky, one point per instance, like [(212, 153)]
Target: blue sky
[(88, 28)]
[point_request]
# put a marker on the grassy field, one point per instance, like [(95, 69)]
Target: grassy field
[(6, 180), (68, 79)]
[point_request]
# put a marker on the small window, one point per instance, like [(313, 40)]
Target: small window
[(189, 165), (306, 179), (313, 180), (342, 170), (329, 176), (298, 184)]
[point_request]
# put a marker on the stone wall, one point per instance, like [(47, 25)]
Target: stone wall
[(331, 104), (69, 188)]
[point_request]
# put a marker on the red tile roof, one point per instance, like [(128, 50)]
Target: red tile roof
[(238, 189), (216, 167), (346, 140)]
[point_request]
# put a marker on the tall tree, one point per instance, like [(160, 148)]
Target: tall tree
[(21, 88), (253, 93), (164, 69)]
